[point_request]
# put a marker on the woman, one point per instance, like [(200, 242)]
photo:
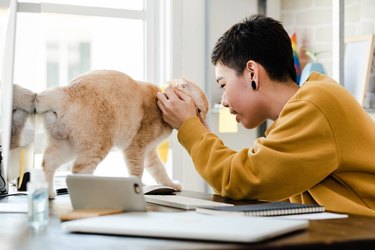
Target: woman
[(320, 147)]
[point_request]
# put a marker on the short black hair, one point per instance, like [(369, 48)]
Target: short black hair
[(257, 38)]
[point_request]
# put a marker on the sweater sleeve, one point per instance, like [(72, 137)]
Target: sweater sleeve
[(299, 152)]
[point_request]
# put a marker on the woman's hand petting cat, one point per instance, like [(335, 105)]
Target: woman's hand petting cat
[(176, 106)]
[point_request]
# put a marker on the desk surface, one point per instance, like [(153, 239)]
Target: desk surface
[(355, 232)]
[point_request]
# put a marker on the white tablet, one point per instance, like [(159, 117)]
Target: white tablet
[(89, 191), (187, 225)]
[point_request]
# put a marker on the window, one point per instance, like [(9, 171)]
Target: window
[(76, 44), (3, 26), (57, 40)]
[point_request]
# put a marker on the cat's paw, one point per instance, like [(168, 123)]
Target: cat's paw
[(177, 185)]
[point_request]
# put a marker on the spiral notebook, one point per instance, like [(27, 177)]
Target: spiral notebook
[(264, 209)]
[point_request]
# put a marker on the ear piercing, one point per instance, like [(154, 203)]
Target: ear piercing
[(253, 83)]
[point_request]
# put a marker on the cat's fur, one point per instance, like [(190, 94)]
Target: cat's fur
[(105, 109), (23, 108)]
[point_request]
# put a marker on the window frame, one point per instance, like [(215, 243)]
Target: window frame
[(154, 28)]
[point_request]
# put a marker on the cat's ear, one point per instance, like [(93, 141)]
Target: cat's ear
[(200, 100), (202, 116), (198, 95), (184, 84), (181, 84)]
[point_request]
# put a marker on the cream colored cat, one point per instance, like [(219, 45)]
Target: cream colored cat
[(105, 109)]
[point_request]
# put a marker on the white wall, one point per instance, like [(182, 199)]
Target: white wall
[(359, 17), (312, 21), (187, 59), (197, 26)]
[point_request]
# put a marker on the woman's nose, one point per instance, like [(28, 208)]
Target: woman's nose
[(224, 101)]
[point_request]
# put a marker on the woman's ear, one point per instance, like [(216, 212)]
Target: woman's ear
[(251, 68), (250, 65), (252, 74)]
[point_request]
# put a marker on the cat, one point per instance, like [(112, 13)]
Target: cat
[(103, 109), (23, 108)]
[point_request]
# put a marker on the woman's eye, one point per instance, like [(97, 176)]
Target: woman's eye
[(222, 86)]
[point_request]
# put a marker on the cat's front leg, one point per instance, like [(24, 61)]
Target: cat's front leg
[(156, 169)]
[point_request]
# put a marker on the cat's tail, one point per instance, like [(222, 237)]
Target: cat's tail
[(50, 104), (49, 100)]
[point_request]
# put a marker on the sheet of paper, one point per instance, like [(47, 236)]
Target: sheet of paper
[(13, 207), (313, 216)]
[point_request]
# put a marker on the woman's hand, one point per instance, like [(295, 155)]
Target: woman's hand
[(176, 106)]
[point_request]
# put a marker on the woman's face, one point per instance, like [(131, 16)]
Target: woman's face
[(238, 95)]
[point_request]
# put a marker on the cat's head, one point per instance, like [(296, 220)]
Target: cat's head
[(200, 98)]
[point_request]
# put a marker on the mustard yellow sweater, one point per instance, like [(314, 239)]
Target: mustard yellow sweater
[(320, 150)]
